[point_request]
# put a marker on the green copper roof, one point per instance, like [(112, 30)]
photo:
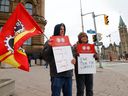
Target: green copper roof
[(121, 22)]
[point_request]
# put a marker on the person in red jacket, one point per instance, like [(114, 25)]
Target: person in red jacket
[(82, 80)]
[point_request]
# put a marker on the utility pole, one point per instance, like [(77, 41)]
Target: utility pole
[(93, 16), (109, 37), (98, 49), (81, 16)]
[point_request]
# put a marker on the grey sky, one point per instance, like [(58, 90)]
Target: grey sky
[(68, 12)]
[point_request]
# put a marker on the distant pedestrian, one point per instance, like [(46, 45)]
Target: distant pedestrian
[(29, 59), (46, 65)]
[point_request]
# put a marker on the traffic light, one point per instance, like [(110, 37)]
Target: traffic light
[(94, 37), (106, 21)]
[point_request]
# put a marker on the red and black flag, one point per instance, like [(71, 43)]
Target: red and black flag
[(18, 28)]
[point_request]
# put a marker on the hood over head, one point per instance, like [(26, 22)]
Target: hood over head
[(57, 29)]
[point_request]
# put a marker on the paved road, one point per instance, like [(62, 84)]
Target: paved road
[(109, 81), (118, 67)]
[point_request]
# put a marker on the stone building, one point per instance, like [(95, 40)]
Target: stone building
[(123, 37), (36, 10), (113, 51)]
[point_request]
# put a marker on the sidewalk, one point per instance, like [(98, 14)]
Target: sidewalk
[(37, 82)]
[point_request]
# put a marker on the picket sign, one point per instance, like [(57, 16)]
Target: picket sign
[(62, 53), (86, 61)]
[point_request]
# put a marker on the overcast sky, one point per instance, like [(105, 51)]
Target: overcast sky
[(68, 12)]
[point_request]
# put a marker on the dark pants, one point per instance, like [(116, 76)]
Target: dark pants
[(84, 81), (61, 83)]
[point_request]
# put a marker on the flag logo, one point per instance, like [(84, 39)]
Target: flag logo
[(19, 27), (9, 41)]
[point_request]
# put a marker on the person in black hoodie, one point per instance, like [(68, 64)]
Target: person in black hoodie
[(59, 81), (83, 81)]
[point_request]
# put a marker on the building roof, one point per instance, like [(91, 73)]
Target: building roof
[(121, 22)]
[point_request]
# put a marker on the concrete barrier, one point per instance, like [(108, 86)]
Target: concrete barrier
[(32, 62), (7, 87), (38, 61), (4, 65)]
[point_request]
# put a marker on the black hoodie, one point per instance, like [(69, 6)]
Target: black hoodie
[(49, 57), (57, 29)]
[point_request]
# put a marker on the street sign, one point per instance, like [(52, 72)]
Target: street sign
[(99, 43), (91, 31)]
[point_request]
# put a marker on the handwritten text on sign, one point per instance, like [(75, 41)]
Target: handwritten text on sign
[(86, 64), (63, 56)]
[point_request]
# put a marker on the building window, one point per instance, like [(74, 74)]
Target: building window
[(28, 42), (4, 5), (28, 7), (0, 28)]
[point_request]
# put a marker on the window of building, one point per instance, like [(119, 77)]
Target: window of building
[(4, 5), (0, 28), (28, 7), (28, 42)]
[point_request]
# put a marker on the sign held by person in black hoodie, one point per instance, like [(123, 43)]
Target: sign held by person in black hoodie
[(62, 53)]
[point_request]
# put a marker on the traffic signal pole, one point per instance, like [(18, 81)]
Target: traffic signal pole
[(98, 49), (94, 21), (93, 15)]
